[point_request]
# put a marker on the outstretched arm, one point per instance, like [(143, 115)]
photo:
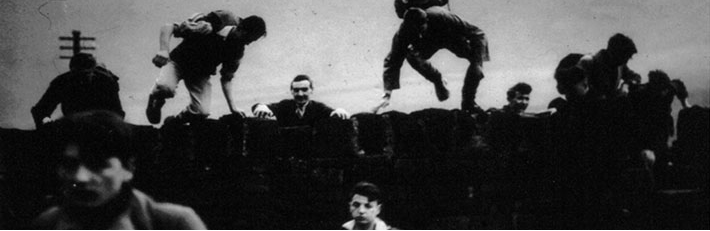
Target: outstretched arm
[(384, 102), (46, 105), (226, 81), (392, 65), (162, 57)]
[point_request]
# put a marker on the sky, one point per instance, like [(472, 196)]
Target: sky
[(341, 44)]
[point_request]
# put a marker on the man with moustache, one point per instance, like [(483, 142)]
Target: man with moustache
[(301, 110)]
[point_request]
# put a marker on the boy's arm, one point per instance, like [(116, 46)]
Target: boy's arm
[(226, 81), (162, 57)]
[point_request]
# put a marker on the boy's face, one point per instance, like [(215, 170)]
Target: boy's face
[(520, 102), (363, 210), (90, 183), (301, 91)]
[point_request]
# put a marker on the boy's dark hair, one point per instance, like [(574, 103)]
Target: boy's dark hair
[(522, 88), (82, 61), (620, 42), (658, 78), (99, 134), (415, 16), (301, 78), (567, 73), (369, 190), (254, 25), (568, 77)]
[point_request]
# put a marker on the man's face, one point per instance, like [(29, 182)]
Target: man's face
[(520, 102), (363, 210), (301, 91), (91, 183)]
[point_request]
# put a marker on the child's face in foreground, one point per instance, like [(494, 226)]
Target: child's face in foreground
[(91, 184), (363, 210)]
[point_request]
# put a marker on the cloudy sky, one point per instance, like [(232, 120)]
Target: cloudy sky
[(341, 45)]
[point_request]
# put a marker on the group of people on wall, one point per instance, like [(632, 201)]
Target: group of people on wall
[(96, 165)]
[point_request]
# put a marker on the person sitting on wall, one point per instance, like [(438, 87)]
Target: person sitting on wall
[(301, 110), (87, 86)]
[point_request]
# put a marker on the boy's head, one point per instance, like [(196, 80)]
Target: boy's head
[(571, 80), (95, 156), (415, 22), (254, 28), (519, 97), (82, 61), (365, 203), (621, 48), (658, 78)]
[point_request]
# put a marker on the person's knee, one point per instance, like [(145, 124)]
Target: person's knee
[(162, 91), (190, 116)]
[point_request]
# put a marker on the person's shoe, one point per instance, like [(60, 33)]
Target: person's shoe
[(153, 110), (473, 110), (171, 120), (441, 92)]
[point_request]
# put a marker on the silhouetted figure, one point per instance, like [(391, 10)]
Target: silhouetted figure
[(208, 41), (95, 165), (691, 147), (426, 31), (503, 124), (652, 102), (608, 75), (87, 86), (301, 110), (595, 136), (365, 206)]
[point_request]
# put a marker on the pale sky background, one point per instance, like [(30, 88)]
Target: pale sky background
[(341, 44)]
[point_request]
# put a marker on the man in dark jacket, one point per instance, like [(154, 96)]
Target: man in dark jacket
[(87, 86), (208, 41), (301, 110)]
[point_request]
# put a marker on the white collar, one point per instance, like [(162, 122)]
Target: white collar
[(379, 225)]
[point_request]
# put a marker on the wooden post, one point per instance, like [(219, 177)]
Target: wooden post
[(76, 43)]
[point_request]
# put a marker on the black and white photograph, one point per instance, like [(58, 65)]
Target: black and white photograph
[(367, 114)]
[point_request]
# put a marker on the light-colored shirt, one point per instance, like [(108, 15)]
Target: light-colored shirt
[(379, 225)]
